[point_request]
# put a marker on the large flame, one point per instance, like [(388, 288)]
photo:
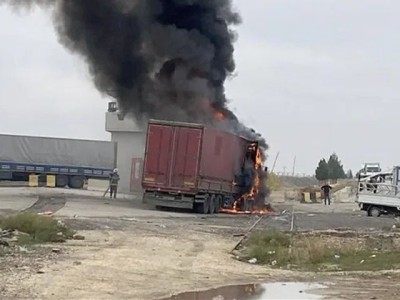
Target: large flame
[(253, 193)]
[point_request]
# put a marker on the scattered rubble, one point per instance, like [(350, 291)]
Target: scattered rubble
[(7, 237), (253, 261), (78, 237), (23, 249)]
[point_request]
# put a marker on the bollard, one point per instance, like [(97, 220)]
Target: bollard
[(33, 180), (51, 181)]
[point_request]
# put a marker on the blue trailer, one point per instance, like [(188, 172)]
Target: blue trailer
[(72, 161)]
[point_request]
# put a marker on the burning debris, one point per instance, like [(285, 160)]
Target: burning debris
[(160, 59)]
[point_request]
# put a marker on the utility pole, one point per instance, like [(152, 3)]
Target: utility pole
[(284, 171), (294, 166), (273, 166)]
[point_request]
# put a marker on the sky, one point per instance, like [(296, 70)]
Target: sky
[(313, 77)]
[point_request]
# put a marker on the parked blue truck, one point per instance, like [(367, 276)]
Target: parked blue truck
[(72, 161)]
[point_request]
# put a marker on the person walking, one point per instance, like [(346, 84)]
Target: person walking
[(326, 189), (114, 179)]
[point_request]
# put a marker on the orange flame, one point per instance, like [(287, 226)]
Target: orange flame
[(254, 190), (219, 116), (208, 107)]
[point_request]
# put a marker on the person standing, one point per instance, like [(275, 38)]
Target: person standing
[(114, 179), (326, 189)]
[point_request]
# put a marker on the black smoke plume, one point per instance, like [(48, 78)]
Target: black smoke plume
[(162, 59)]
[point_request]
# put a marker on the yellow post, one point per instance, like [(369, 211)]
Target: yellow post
[(318, 197), (33, 180), (51, 181), (307, 197)]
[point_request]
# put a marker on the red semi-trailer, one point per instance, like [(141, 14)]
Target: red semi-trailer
[(195, 167)]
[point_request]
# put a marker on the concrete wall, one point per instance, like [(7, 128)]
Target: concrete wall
[(131, 140), (130, 145)]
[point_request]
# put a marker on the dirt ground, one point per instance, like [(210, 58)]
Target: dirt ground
[(131, 252)]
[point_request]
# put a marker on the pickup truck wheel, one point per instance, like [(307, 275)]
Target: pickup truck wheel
[(374, 211), (213, 205)]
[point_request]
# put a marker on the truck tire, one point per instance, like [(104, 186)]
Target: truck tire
[(61, 181), (76, 182), (374, 211), (203, 208), (213, 204), (219, 203)]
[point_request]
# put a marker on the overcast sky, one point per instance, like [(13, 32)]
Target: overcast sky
[(313, 76)]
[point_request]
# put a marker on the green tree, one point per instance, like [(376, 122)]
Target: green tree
[(349, 174), (335, 168), (322, 171)]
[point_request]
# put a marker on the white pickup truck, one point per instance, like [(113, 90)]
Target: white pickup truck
[(380, 193)]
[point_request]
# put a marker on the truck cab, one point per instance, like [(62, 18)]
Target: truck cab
[(369, 169)]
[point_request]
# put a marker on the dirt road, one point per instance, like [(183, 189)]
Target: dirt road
[(135, 253)]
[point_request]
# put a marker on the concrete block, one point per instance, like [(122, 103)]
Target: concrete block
[(33, 180), (51, 181)]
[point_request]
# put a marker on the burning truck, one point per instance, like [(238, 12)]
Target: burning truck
[(169, 60), (202, 168)]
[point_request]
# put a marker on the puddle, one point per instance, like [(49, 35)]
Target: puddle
[(278, 290)]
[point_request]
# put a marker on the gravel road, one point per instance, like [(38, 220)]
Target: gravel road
[(132, 252)]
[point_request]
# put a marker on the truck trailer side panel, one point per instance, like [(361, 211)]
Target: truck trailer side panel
[(221, 159), (56, 151)]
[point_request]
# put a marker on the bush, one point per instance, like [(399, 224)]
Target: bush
[(319, 253), (273, 182), (41, 229), (270, 246)]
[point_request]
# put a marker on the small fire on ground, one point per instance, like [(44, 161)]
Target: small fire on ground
[(263, 211)]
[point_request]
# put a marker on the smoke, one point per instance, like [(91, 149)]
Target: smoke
[(163, 59)]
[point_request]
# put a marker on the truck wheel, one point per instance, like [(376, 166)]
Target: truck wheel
[(374, 211), (61, 181), (218, 203), (76, 182), (212, 204), (203, 208)]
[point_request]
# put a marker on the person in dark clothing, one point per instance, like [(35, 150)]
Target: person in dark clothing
[(114, 179), (326, 189)]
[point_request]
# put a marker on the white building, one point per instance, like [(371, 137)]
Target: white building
[(131, 141)]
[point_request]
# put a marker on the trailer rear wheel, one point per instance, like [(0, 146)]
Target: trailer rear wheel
[(219, 203), (374, 211), (76, 182), (203, 208), (213, 204), (61, 181)]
